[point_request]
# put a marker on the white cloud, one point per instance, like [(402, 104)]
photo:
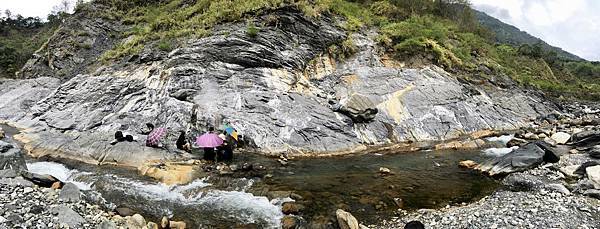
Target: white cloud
[(572, 25), (29, 8)]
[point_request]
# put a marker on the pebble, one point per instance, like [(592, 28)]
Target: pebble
[(32, 208)]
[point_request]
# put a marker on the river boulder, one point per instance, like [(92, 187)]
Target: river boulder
[(358, 107), (42, 180), (11, 158), (593, 173), (586, 138), (561, 137), (523, 158), (346, 220)]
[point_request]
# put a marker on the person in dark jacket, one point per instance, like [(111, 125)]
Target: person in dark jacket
[(182, 143)]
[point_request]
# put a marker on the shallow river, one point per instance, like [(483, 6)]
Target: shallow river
[(427, 179)]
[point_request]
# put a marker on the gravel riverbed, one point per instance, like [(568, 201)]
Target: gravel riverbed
[(29, 206)]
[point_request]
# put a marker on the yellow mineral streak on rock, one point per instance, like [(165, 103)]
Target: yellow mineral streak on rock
[(169, 173), (482, 133), (467, 144), (393, 104), (320, 67), (350, 79)]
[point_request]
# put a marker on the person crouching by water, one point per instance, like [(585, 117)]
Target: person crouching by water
[(121, 137), (155, 136), (182, 142)]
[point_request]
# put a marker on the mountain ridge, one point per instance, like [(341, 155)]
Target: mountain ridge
[(509, 34)]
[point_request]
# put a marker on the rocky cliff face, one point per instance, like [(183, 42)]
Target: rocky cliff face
[(280, 89)]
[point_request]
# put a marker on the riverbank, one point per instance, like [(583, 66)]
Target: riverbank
[(537, 205)]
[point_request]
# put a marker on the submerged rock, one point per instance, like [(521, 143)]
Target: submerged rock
[(124, 211), (468, 164), (292, 222), (291, 208)]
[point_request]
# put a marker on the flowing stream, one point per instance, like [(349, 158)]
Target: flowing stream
[(426, 179)]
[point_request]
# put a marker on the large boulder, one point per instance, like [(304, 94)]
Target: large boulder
[(520, 159), (274, 89), (523, 158), (42, 180), (358, 107), (586, 138)]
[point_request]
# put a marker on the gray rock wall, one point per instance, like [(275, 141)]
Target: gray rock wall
[(277, 89)]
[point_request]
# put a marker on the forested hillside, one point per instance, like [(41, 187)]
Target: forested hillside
[(508, 34)]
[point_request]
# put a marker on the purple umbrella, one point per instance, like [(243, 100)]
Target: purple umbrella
[(155, 136), (209, 140)]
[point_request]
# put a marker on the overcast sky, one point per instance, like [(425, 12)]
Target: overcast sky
[(573, 25), (29, 8)]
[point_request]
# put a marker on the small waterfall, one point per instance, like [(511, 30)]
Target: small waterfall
[(498, 152), (60, 172), (504, 139)]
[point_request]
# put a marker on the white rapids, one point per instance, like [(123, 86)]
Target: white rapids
[(236, 203)]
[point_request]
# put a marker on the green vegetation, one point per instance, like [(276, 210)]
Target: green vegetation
[(20, 37), (252, 30)]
